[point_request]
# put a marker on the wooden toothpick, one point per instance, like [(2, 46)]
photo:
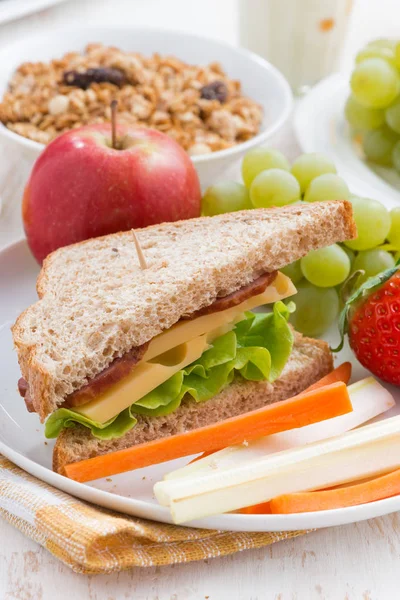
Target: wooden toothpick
[(142, 260)]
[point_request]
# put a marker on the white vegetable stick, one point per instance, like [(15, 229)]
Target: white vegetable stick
[(368, 397), (365, 452), (167, 487)]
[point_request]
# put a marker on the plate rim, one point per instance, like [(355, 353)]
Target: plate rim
[(156, 512)]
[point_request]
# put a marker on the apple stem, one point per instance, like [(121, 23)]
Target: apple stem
[(114, 106)]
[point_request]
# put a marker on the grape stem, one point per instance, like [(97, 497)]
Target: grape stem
[(350, 285)]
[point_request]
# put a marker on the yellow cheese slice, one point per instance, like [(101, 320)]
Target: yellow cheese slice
[(145, 377), (148, 375), (174, 349), (183, 331)]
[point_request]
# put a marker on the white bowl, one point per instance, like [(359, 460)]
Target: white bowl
[(260, 80)]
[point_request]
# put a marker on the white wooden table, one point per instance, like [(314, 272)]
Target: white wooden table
[(355, 562)]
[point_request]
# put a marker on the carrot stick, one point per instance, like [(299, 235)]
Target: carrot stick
[(352, 495), (204, 455), (257, 509), (341, 373), (304, 409)]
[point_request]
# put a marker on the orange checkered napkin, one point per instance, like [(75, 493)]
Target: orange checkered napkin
[(94, 540)]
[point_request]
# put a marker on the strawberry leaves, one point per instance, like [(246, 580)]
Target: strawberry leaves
[(356, 297)]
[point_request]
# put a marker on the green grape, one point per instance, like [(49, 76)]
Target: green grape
[(327, 187), (373, 223), (261, 159), (350, 253), (394, 233), (396, 156), (397, 54), (274, 187), (372, 262), (375, 83), (392, 116), (396, 257), (326, 267), (382, 43), (316, 309), (362, 118), (309, 166), (383, 52), (293, 271), (226, 196), (378, 145)]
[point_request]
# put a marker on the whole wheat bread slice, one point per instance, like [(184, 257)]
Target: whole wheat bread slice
[(310, 360), (96, 303)]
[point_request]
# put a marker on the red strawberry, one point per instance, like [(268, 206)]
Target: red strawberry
[(371, 318)]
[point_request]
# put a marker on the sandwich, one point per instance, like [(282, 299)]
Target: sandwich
[(118, 352)]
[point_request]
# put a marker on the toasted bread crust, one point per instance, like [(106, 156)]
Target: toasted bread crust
[(310, 360), (67, 338)]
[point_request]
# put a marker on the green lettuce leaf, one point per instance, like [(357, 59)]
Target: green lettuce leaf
[(257, 349), (65, 417)]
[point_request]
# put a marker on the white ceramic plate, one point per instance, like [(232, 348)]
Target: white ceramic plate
[(320, 126), (15, 9), (22, 439)]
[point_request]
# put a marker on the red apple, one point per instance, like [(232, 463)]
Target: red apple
[(81, 187)]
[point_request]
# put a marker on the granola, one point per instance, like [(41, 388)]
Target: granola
[(199, 106)]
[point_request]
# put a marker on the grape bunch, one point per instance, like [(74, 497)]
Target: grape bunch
[(269, 180), (373, 108)]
